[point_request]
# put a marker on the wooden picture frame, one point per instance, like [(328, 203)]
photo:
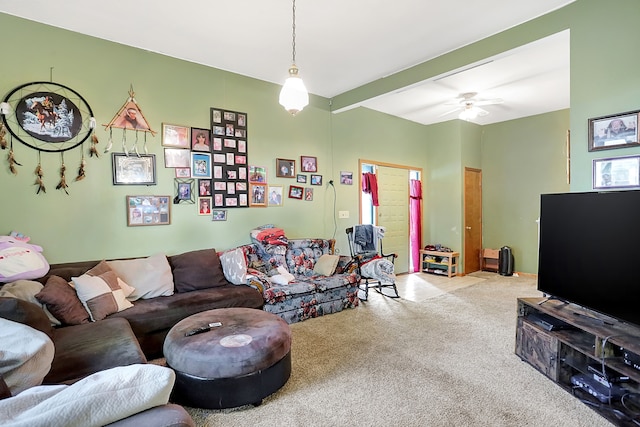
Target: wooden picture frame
[(346, 177), (257, 195), (308, 164), (616, 173), (176, 136), (131, 169), (295, 192), (184, 191), (614, 131), (148, 210), (285, 168)]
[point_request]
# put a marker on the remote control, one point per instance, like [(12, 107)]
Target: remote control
[(202, 329)]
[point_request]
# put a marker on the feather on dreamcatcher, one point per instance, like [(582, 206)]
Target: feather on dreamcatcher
[(129, 118), (49, 118)]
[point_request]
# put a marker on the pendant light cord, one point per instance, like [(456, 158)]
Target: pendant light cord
[(294, 31)]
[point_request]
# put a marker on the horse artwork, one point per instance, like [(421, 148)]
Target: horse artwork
[(49, 117), (45, 112)]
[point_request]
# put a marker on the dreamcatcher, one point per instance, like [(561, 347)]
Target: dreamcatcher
[(129, 118), (50, 118)]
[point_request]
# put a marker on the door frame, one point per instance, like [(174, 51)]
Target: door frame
[(390, 165)]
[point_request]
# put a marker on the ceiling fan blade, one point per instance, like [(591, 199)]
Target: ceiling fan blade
[(489, 101), (481, 112), (449, 112)]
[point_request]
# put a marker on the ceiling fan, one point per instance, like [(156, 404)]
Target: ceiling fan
[(469, 106)]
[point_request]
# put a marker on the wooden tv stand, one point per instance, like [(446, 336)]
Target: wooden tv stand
[(590, 339)]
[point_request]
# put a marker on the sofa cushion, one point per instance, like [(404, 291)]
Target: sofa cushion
[(197, 270), (82, 350), (302, 255), (27, 290), (151, 277), (101, 295), (25, 312), (326, 265), (234, 266), (63, 302)]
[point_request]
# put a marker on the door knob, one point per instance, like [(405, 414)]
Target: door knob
[(468, 228)]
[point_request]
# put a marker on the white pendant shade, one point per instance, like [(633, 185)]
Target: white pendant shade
[(294, 96), (468, 114)]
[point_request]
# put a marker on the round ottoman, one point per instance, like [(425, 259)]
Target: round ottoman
[(241, 362)]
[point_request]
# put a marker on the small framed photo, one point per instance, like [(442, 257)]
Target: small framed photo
[(200, 139), (308, 164), (183, 172), (346, 178), (219, 215), (295, 192), (258, 196), (257, 174), (176, 136), (184, 191), (200, 165), (176, 158), (301, 178), (285, 168), (308, 194), (134, 169), (316, 179), (615, 131), (616, 172), (204, 187), (275, 195), (148, 210), (204, 205)]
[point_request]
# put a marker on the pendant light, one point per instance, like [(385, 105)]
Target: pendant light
[(294, 96)]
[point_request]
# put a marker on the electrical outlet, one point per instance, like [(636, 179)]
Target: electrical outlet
[(343, 214)]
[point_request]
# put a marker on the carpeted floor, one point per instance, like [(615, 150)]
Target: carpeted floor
[(443, 355)]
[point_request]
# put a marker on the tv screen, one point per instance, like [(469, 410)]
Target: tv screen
[(589, 251)]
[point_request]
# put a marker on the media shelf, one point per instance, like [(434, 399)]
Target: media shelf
[(438, 262), (571, 345)]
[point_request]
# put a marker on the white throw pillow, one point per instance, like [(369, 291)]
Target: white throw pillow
[(101, 295), (25, 355), (326, 264), (234, 266), (151, 277)]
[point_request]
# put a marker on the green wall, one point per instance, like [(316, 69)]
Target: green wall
[(521, 159)]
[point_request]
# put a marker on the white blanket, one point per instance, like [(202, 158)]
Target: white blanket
[(380, 269), (25, 355), (96, 400)]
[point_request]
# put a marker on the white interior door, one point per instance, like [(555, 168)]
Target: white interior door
[(393, 213)]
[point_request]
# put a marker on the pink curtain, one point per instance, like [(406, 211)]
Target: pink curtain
[(415, 225)]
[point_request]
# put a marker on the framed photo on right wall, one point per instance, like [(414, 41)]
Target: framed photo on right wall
[(616, 172), (614, 131)]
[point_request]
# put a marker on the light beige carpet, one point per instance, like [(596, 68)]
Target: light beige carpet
[(443, 355)]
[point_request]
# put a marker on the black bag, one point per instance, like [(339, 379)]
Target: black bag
[(505, 261)]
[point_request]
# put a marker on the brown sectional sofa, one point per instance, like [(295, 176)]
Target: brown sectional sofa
[(136, 334)]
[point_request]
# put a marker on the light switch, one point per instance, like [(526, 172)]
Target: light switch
[(343, 214)]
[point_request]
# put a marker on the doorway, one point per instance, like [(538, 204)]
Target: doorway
[(393, 210)]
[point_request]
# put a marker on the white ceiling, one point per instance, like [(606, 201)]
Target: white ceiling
[(340, 45)]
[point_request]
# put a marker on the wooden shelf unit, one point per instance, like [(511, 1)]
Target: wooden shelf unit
[(590, 339), (437, 262), (490, 260)]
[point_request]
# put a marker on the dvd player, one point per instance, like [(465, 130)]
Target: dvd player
[(547, 322)]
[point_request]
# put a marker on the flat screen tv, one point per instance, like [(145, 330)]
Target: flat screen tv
[(589, 251)]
